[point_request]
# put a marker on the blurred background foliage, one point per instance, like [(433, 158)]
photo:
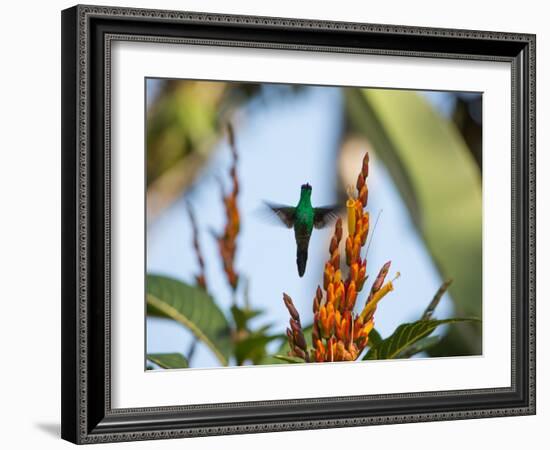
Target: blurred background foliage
[(433, 168), (184, 122), (429, 142)]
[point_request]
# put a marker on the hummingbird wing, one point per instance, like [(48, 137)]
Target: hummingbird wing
[(283, 212), (325, 215)]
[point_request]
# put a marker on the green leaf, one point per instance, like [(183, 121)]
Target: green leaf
[(253, 347), (439, 182), (421, 346), (406, 335), (192, 307), (289, 359), (242, 316), (374, 338), (168, 360)]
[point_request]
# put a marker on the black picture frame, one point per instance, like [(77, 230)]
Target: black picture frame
[(87, 32)]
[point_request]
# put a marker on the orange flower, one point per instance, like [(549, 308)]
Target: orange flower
[(339, 334)]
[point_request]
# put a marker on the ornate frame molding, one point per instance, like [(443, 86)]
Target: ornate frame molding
[(87, 38)]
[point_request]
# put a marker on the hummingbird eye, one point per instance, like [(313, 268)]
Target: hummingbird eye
[(306, 186)]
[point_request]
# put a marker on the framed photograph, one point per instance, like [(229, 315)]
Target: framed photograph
[(282, 224)]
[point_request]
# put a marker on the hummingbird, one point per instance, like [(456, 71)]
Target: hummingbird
[(303, 218)]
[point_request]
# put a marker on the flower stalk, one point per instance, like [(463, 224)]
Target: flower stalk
[(227, 241), (296, 339), (201, 277), (339, 334)]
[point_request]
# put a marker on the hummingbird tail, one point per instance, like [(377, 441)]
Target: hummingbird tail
[(301, 260)]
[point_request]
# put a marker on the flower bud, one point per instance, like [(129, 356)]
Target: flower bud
[(365, 168), (354, 271), (351, 295), (380, 278), (333, 244), (364, 195), (360, 182), (338, 229), (330, 294), (335, 259), (300, 341), (291, 308), (300, 353), (349, 250), (327, 275)]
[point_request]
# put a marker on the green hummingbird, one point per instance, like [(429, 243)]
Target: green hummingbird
[(303, 218)]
